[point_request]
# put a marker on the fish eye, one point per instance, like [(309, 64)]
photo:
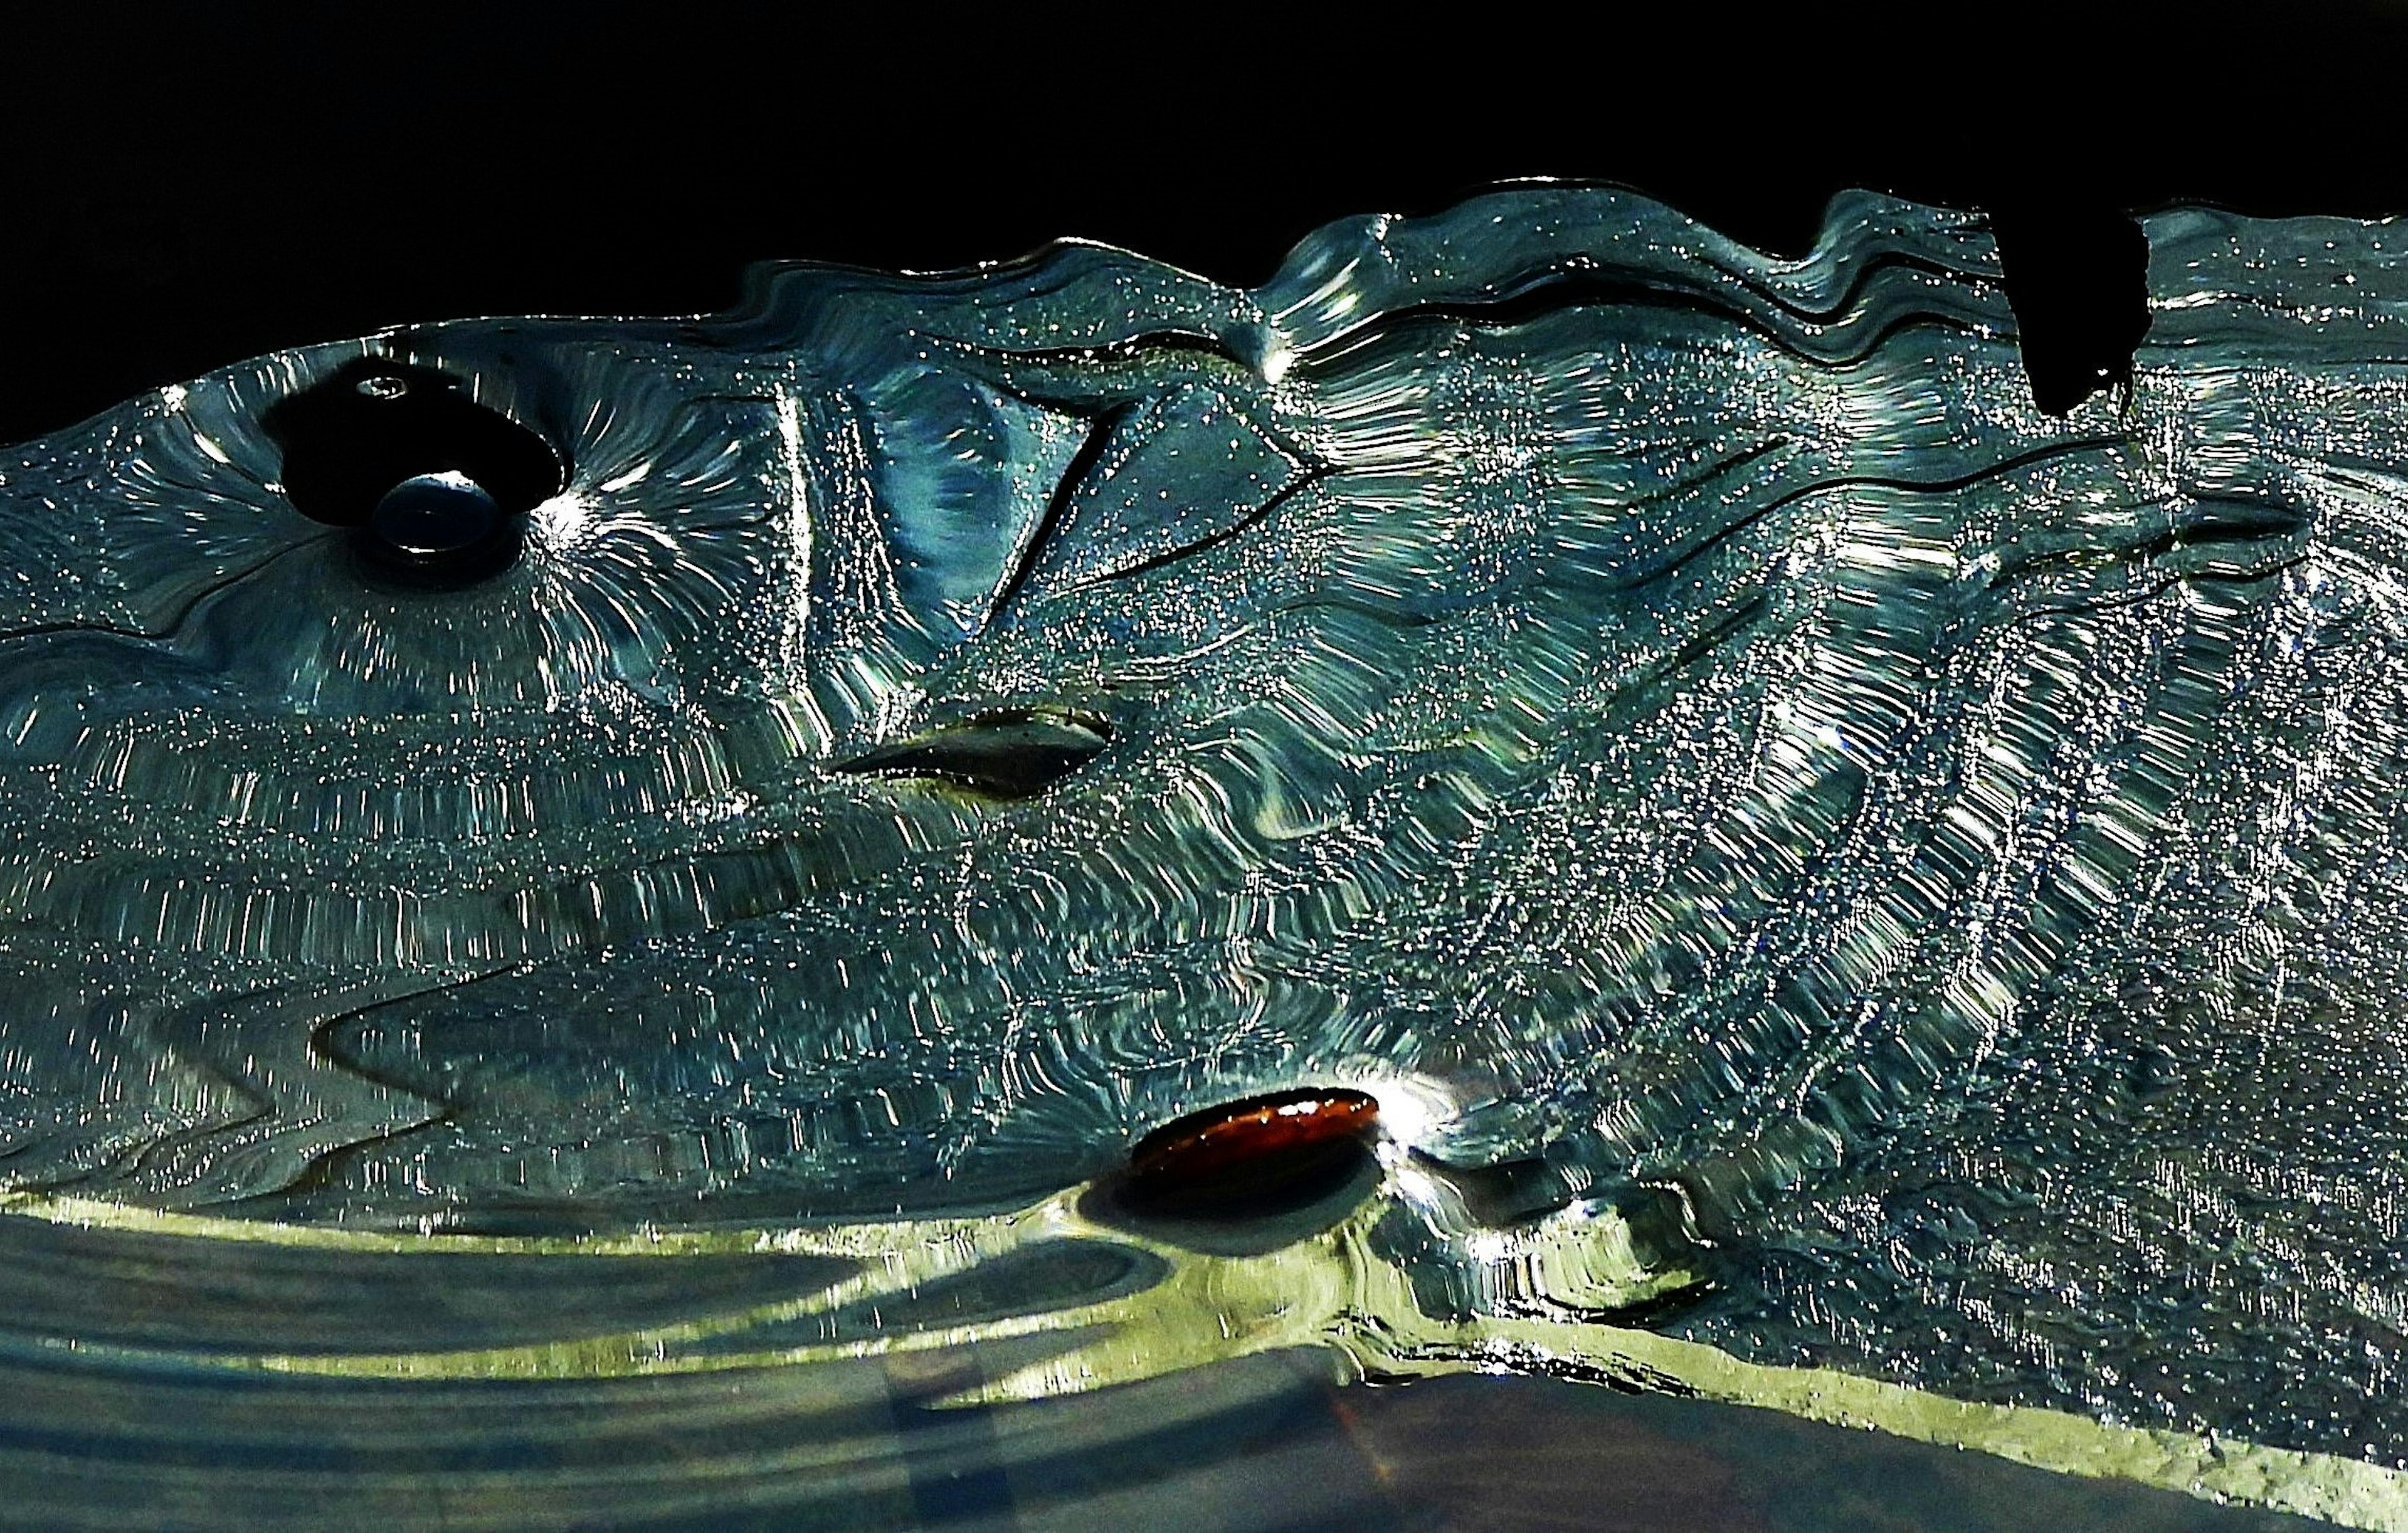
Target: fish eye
[(429, 516), (434, 486)]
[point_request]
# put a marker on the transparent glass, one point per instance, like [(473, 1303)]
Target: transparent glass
[(674, 863)]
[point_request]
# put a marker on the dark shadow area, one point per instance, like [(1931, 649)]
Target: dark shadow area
[(1306, 1190), (2077, 278), (1309, 1197), (184, 189)]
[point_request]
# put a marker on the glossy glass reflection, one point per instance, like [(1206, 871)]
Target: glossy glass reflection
[(1815, 860)]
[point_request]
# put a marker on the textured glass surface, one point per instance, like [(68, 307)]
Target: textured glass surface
[(1814, 857)]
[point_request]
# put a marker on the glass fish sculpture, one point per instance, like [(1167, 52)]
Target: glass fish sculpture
[(659, 853)]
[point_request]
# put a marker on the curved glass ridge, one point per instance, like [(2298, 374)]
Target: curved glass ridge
[(1812, 856)]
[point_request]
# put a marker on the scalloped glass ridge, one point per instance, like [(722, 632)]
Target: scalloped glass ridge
[(1633, 704)]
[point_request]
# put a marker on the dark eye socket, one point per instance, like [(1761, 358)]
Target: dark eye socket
[(1009, 754), (432, 481)]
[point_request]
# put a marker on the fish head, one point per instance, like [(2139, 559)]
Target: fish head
[(900, 677), (902, 740)]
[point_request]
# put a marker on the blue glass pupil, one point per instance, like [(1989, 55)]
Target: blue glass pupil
[(436, 514)]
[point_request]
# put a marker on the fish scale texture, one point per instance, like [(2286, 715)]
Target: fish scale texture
[(1675, 713)]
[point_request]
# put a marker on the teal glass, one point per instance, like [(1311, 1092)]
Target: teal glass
[(742, 822)]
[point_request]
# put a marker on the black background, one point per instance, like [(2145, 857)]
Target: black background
[(180, 189)]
